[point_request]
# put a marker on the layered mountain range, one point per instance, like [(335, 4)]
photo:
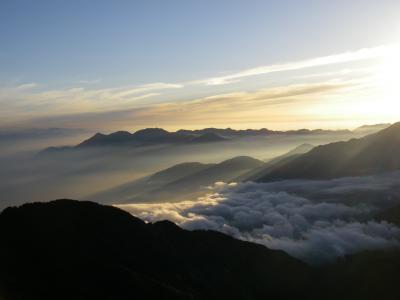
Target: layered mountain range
[(372, 154), (154, 136)]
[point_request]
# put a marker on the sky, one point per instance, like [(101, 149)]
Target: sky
[(126, 65)]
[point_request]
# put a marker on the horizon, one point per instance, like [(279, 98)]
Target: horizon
[(176, 129)]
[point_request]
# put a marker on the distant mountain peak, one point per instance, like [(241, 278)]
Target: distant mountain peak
[(151, 131), (121, 133)]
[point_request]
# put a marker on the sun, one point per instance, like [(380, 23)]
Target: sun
[(389, 77)]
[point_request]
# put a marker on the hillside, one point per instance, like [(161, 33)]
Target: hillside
[(81, 250), (192, 186), (146, 185), (372, 154), (280, 160), (179, 182)]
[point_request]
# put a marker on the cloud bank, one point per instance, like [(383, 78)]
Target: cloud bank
[(313, 231)]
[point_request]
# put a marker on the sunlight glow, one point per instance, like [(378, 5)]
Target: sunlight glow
[(389, 78)]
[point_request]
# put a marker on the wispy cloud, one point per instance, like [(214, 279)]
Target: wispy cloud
[(90, 81), (362, 54), (256, 106), (299, 98), (27, 86), (125, 93)]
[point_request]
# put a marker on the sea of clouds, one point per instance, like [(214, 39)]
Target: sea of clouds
[(291, 215)]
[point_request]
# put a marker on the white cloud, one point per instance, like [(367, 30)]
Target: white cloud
[(313, 231), (362, 54), (27, 86), (90, 81), (126, 92)]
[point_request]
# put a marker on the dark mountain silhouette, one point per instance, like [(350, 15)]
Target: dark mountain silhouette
[(182, 181), (81, 250), (68, 249), (229, 132), (372, 154), (140, 137), (154, 136)]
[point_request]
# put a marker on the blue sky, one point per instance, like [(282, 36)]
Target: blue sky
[(94, 45)]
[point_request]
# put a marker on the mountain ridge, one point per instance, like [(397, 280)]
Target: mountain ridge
[(178, 182), (374, 153), (153, 136)]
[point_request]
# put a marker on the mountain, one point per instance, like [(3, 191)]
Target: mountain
[(229, 132), (368, 129), (69, 249), (81, 250), (155, 136), (375, 153), (180, 182), (261, 171), (193, 186), (301, 149), (146, 185), (140, 137)]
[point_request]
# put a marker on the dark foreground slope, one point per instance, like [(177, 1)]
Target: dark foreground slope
[(372, 154), (81, 250)]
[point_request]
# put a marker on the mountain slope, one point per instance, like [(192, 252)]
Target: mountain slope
[(192, 186), (368, 155), (81, 250), (179, 182), (146, 185), (261, 171), (368, 129)]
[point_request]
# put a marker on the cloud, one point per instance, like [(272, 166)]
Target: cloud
[(90, 81), (148, 105), (362, 54), (313, 231), (24, 104), (27, 86), (122, 107)]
